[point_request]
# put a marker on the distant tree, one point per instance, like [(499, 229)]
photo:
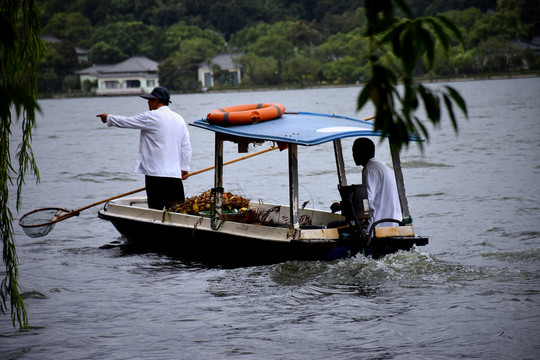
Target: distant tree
[(178, 76), (346, 70), (499, 26), (273, 46), (300, 69), (500, 56), (49, 81), (302, 34), (130, 37), (60, 61), (71, 83), (222, 77), (195, 50), (464, 19), (89, 85), (74, 27), (167, 13), (337, 46), (170, 74), (258, 38), (227, 17), (61, 57), (344, 57), (21, 49), (342, 23), (98, 12), (410, 39), (260, 70), (243, 38), (528, 12), (103, 53), (433, 7), (465, 61), (180, 32)]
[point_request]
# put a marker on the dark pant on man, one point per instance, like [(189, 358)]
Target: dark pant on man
[(163, 192)]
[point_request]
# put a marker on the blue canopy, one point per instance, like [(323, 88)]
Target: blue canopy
[(302, 128)]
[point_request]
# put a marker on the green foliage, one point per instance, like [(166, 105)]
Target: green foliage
[(243, 38), (130, 37), (333, 33), (346, 70), (300, 69), (60, 57), (104, 53), (528, 12), (273, 46), (301, 34), (20, 53), (342, 23), (432, 7), (74, 27), (177, 76), (179, 70), (195, 50), (260, 70), (176, 35), (501, 26), (344, 57), (410, 39)]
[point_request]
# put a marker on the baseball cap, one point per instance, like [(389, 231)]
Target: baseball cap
[(161, 93)]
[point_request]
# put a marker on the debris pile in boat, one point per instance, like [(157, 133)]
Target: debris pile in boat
[(205, 202), (235, 208)]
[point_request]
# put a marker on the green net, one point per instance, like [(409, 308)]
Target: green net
[(40, 222)]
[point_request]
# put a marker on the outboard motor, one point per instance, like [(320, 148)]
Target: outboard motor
[(355, 207), (354, 202)]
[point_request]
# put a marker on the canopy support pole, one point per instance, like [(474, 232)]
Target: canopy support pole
[(338, 152), (400, 183), (218, 181), (293, 186)]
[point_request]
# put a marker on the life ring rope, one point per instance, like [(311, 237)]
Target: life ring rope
[(245, 114)]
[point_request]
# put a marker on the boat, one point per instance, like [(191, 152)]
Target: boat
[(288, 232)]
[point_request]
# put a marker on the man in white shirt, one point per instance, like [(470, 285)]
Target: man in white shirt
[(380, 181), (164, 148)]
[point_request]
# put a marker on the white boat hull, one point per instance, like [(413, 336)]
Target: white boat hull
[(231, 242)]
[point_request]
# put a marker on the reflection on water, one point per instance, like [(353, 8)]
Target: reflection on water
[(473, 292)]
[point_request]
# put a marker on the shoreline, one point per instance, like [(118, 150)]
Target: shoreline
[(427, 80)]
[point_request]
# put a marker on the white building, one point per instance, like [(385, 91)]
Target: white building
[(228, 62), (135, 75)]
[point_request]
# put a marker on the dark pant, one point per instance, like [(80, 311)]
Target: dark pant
[(163, 192)]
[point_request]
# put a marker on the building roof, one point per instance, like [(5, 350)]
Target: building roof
[(135, 64), (50, 38), (80, 51), (224, 61), (534, 44), (94, 70)]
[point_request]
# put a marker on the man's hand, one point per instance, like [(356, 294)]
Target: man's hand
[(185, 174), (103, 117), (335, 207)]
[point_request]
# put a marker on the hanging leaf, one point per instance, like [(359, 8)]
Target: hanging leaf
[(410, 40), (21, 50)]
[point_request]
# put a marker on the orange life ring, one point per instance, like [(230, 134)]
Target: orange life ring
[(245, 114)]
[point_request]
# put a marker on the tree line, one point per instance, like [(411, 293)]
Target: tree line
[(300, 42)]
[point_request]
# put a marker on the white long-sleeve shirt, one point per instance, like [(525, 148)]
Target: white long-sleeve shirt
[(382, 192), (164, 147)]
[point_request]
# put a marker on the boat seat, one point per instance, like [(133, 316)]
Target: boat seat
[(306, 227), (382, 232)]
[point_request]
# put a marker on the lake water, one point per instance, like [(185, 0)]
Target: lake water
[(473, 292)]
